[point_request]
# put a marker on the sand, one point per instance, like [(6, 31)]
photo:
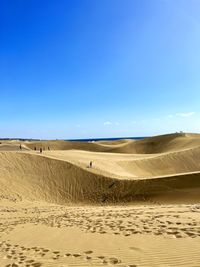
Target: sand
[(139, 204)]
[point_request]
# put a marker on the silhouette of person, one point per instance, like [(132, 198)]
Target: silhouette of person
[(90, 164), (40, 150), (35, 148), (20, 147)]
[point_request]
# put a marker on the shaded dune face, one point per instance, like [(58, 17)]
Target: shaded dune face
[(33, 177), (170, 175)]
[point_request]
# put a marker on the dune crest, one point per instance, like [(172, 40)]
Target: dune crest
[(135, 205), (63, 175)]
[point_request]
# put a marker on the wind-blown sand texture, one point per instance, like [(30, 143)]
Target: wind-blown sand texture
[(139, 204)]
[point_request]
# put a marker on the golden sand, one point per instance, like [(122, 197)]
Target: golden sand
[(139, 204)]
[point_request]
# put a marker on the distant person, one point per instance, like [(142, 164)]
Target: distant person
[(90, 164), (40, 150), (35, 148), (48, 148), (20, 147)]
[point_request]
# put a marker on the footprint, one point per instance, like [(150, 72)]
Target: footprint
[(101, 257), (114, 260), (68, 254), (37, 264), (88, 252), (76, 255), (134, 248), (29, 261)]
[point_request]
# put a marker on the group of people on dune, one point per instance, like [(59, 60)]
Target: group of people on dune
[(40, 149)]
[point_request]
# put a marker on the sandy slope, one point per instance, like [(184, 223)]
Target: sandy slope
[(63, 176), (12, 147), (136, 206), (151, 145), (34, 177)]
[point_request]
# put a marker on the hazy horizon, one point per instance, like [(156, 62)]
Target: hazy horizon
[(88, 69)]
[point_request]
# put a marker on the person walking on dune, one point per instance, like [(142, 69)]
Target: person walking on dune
[(90, 164), (40, 150), (20, 147)]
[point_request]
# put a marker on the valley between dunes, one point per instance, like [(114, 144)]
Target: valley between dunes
[(138, 205)]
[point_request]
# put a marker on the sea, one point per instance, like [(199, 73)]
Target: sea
[(107, 139), (79, 140)]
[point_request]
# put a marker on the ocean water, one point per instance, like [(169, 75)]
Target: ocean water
[(80, 140), (107, 139)]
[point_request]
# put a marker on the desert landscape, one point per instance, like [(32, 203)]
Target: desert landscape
[(104, 203), (100, 133)]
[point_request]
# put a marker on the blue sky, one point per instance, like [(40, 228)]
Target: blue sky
[(99, 68)]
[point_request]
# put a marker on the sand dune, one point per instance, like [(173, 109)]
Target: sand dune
[(136, 206), (151, 145), (63, 176), (160, 156), (67, 145), (12, 147), (183, 161), (113, 142), (158, 144)]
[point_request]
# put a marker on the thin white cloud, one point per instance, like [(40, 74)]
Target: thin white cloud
[(107, 123), (185, 115), (170, 116)]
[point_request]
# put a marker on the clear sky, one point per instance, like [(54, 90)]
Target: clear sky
[(99, 68)]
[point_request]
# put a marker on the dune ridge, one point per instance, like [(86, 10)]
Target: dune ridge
[(138, 205), (177, 162), (40, 177), (150, 145), (170, 168)]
